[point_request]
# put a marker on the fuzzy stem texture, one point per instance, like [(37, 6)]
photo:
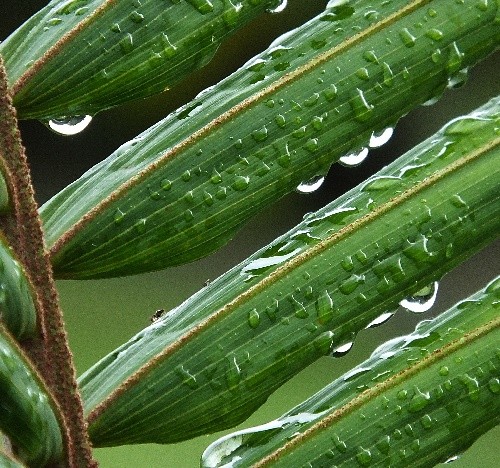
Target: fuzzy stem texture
[(22, 227)]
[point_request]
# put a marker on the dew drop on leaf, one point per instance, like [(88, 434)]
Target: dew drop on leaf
[(421, 301), (354, 159), (279, 7), (69, 125), (380, 138), (310, 185)]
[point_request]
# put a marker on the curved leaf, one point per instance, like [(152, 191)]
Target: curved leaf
[(17, 309), (27, 414), (182, 188), (77, 57), (212, 361), (422, 399)]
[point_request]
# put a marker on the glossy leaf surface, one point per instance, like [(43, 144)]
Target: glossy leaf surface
[(78, 57), (182, 188), (17, 309), (209, 363), (27, 416), (418, 400)]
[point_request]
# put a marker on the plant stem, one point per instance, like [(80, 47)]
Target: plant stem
[(22, 227)]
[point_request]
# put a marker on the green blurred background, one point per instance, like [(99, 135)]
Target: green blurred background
[(103, 314)]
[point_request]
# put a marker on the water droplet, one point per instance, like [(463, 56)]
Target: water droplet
[(253, 318), (380, 138), (343, 350), (140, 226), (494, 385), (260, 134), (310, 185), (119, 215), (340, 445), (407, 37), (240, 183), (472, 386), (423, 300), (324, 307), (300, 310), (168, 48), (300, 132), (382, 318), (280, 120), (384, 444), (166, 184), (279, 7), (388, 75), (233, 372), (354, 159), (69, 125), (187, 377), (127, 43), (363, 111), (455, 59), (136, 17), (186, 175), (364, 456), (434, 34), (312, 100), (323, 342), (369, 56), (362, 74), (330, 93), (419, 401)]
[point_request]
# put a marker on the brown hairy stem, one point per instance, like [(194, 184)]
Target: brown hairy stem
[(22, 227)]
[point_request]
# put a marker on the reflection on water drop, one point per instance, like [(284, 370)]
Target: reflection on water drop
[(423, 300), (278, 8), (342, 350), (380, 138), (69, 125), (354, 159), (380, 320), (310, 185)]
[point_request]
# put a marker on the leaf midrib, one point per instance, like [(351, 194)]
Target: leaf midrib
[(231, 113)]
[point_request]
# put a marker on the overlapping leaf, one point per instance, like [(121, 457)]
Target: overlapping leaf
[(77, 57), (17, 308), (181, 189), (27, 413), (212, 361), (417, 401)]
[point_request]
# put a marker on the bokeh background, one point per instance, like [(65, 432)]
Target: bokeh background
[(103, 314)]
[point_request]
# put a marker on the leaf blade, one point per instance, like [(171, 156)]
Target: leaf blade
[(182, 188), (413, 388), (27, 414), (83, 56), (236, 341)]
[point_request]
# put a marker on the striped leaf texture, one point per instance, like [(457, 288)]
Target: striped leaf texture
[(182, 188), (210, 362), (27, 414), (77, 57), (418, 400)]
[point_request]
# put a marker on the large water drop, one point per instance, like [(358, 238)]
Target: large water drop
[(380, 138), (69, 125), (310, 185), (354, 159), (278, 8), (423, 300)]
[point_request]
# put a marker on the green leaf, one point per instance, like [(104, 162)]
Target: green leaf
[(182, 188), (209, 363), (27, 414), (78, 57), (7, 461), (417, 401), (17, 309)]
